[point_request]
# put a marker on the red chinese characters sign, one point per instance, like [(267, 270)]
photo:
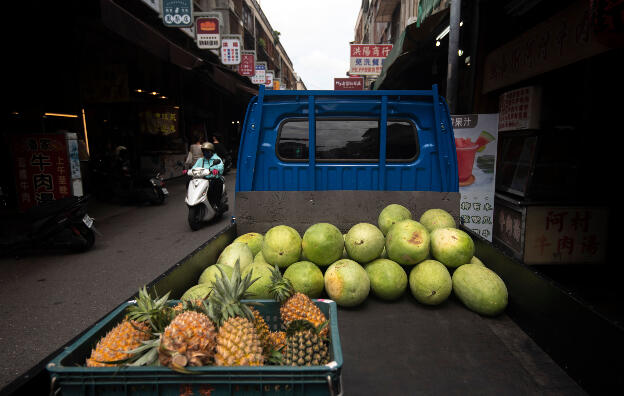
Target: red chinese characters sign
[(565, 235), (368, 59), (42, 168), (247, 66), (348, 84)]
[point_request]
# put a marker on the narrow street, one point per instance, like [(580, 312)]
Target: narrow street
[(46, 300)]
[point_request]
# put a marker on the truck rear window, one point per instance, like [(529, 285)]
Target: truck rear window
[(347, 140)]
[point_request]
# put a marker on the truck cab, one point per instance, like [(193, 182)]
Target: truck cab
[(347, 140)]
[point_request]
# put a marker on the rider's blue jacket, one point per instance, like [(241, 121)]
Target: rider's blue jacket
[(207, 163)]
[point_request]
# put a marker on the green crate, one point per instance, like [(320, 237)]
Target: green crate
[(71, 377)]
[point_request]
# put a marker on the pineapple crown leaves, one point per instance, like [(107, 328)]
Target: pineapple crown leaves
[(154, 312), (226, 296), (281, 288)]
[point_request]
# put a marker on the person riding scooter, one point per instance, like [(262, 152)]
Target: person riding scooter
[(209, 161)]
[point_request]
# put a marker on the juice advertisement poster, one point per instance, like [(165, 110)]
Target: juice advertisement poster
[(476, 138)]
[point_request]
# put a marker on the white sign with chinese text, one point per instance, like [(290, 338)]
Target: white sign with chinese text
[(476, 138), (260, 76), (520, 109), (368, 59), (231, 48), (269, 79)]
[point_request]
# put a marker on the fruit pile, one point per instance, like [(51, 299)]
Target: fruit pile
[(213, 326), (431, 255), (217, 329)]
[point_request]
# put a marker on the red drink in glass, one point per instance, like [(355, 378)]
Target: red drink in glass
[(466, 151)]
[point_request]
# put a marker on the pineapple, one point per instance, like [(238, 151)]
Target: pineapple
[(277, 340), (304, 345), (294, 305), (263, 332), (189, 340), (238, 342), (142, 319), (118, 343)]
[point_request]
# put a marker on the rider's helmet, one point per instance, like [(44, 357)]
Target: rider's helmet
[(208, 149)]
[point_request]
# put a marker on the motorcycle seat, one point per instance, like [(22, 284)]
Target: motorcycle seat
[(50, 208)]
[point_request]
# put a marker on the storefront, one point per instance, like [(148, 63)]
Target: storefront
[(112, 73)]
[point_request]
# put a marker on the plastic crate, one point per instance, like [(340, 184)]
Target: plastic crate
[(69, 376)]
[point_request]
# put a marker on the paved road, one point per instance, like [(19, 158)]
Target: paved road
[(48, 299)]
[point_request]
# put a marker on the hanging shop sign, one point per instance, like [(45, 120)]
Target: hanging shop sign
[(520, 109), (276, 84), (561, 40), (44, 169), (349, 84), (231, 48), (260, 76), (207, 33), (159, 120), (368, 59), (247, 65), (475, 142), (177, 13), (270, 74)]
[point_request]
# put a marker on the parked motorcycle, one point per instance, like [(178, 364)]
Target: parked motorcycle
[(118, 183), (200, 209), (59, 224)]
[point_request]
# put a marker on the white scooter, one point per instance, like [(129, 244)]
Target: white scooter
[(200, 210)]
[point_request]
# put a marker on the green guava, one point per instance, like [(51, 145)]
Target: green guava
[(430, 282), (210, 274), (253, 240), (392, 214), (475, 260), (259, 258), (236, 251), (407, 242), (451, 246), (197, 292), (388, 279), (364, 242), (260, 288), (480, 289), (306, 278), (322, 244), (347, 283), (437, 218), (281, 246)]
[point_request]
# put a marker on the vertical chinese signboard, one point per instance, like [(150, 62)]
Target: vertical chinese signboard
[(177, 13), (475, 141), (231, 48), (247, 65), (269, 79), (349, 84), (47, 168), (520, 109), (207, 33), (260, 76), (368, 59)]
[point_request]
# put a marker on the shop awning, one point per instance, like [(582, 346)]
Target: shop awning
[(143, 35), (407, 46)]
